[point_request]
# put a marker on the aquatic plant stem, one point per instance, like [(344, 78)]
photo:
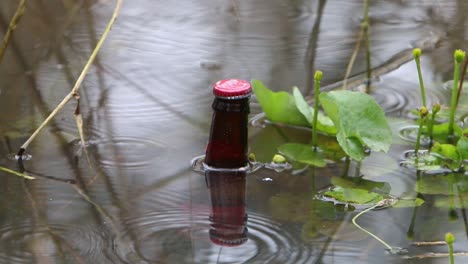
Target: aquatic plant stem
[(317, 77), (367, 232), (12, 26), (77, 85), (422, 117), (459, 56), (417, 56), (462, 79), (435, 110), (449, 239)]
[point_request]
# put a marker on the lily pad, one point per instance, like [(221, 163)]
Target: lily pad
[(278, 106), (360, 122)]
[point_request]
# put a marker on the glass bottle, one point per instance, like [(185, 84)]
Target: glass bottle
[(226, 161)]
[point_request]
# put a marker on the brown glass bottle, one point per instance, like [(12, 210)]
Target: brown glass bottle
[(227, 145), (226, 160)]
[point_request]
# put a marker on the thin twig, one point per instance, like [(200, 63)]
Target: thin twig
[(77, 85), (12, 26)]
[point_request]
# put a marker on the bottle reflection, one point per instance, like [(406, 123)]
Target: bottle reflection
[(228, 215)]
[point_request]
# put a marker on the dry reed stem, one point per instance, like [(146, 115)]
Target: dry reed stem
[(78, 83), (12, 26)]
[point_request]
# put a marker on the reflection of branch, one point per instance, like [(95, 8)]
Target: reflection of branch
[(364, 32), (78, 82), (17, 173), (437, 255), (12, 26)]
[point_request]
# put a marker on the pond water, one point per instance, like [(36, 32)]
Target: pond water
[(146, 105)]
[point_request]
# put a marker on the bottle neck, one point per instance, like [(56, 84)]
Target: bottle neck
[(227, 145)]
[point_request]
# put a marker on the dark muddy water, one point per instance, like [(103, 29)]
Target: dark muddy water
[(146, 105)]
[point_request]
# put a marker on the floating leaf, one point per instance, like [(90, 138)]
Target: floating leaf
[(302, 153), (462, 146), (278, 106), (355, 196), (403, 203), (360, 183), (450, 154), (324, 123), (440, 132), (442, 184), (359, 120)]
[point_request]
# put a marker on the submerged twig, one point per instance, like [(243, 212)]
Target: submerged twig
[(12, 26), (77, 85)]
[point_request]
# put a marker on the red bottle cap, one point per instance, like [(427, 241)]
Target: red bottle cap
[(232, 88)]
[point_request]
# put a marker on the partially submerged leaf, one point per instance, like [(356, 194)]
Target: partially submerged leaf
[(278, 106), (302, 153), (462, 146), (440, 132), (360, 183), (360, 122), (355, 196), (324, 123), (403, 203), (450, 155)]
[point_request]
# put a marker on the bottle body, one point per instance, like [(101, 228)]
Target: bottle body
[(227, 145), (226, 160), (228, 211)]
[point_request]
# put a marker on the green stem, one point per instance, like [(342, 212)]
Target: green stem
[(421, 82), (459, 57), (452, 259), (418, 138), (317, 77), (367, 232)]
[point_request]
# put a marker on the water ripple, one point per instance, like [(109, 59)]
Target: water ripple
[(24, 243), (179, 236)]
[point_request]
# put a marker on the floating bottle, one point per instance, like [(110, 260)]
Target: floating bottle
[(226, 162)]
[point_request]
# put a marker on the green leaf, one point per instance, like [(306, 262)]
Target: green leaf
[(360, 183), (403, 203), (278, 106), (302, 153), (356, 196), (450, 154), (462, 146), (360, 122), (324, 123), (440, 132)]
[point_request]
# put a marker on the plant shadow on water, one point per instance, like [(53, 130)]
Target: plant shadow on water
[(145, 106)]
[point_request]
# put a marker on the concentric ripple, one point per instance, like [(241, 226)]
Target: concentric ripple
[(24, 243), (127, 151), (179, 237)]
